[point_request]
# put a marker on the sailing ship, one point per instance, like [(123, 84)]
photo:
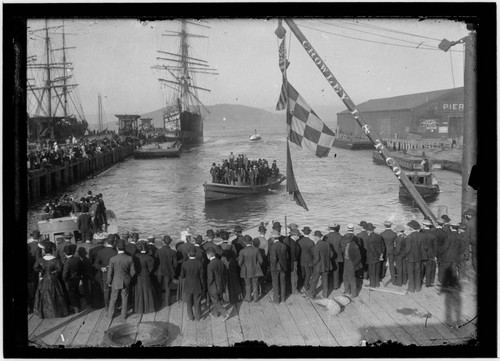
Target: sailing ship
[(184, 113), (53, 109)]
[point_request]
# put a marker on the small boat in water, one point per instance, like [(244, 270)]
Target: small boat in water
[(159, 150), (255, 137), (426, 184), (221, 191)]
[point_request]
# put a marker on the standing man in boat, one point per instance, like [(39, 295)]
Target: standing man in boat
[(231, 160), (334, 239), (213, 173), (374, 255), (388, 236)]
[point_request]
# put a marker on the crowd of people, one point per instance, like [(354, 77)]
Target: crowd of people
[(242, 171), (52, 153), (225, 269)]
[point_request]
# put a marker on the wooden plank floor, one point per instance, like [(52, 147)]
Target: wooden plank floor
[(414, 318)]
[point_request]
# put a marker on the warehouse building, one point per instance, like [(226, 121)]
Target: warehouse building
[(432, 115)]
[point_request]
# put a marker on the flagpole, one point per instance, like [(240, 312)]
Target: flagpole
[(374, 138)]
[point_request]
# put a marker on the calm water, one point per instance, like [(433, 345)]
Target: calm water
[(164, 196)]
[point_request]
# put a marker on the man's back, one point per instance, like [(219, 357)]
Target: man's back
[(121, 271)]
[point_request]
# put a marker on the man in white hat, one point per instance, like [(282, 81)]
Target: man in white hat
[(389, 236), (352, 261), (400, 261), (429, 265)]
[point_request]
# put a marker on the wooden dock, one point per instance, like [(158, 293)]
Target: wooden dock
[(375, 317)]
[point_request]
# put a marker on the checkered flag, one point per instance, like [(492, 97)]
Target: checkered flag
[(305, 128)]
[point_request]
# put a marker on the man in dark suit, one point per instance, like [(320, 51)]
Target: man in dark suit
[(250, 262), (151, 246), (102, 264), (352, 261), (306, 258), (388, 236), (216, 283), (399, 257), (429, 264), (131, 247), (121, 271), (85, 225), (374, 255), (238, 242), (209, 242), (71, 276), (193, 273), (334, 238), (361, 237), (60, 247), (413, 253), (322, 264), (294, 266), (278, 259), (167, 263)]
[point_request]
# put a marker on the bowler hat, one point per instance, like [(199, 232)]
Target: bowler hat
[(167, 239), (335, 226), (210, 233), (362, 224), (350, 227), (120, 244), (413, 224), (306, 230), (198, 239), (276, 225), (238, 229), (370, 227), (318, 234), (427, 222), (445, 218), (275, 233), (262, 229), (388, 223), (68, 235), (247, 239), (399, 228), (294, 231)]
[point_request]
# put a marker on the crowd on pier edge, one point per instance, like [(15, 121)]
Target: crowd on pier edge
[(217, 269), (52, 153), (243, 171)]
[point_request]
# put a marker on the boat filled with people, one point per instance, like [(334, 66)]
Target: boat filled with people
[(159, 150), (239, 177)]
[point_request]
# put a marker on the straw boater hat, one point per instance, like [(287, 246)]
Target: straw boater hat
[(335, 226), (350, 227), (399, 228), (388, 223), (427, 222)]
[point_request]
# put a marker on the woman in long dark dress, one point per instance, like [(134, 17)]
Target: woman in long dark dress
[(143, 290), (50, 298)]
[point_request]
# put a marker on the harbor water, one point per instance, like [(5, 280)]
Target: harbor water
[(164, 196)]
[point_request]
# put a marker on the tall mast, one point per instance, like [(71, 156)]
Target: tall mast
[(64, 72), (184, 57), (48, 82)]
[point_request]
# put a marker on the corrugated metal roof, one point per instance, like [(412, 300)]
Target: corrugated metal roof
[(401, 102)]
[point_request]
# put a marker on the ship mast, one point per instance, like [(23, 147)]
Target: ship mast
[(48, 82)]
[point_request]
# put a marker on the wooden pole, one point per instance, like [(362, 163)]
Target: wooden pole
[(374, 138)]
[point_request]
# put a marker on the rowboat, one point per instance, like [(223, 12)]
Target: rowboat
[(426, 184), (254, 137), (159, 150), (220, 191)]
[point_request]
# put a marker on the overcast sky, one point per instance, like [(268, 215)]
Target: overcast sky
[(371, 58)]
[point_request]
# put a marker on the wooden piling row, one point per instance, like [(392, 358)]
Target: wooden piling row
[(402, 144), (44, 182)]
